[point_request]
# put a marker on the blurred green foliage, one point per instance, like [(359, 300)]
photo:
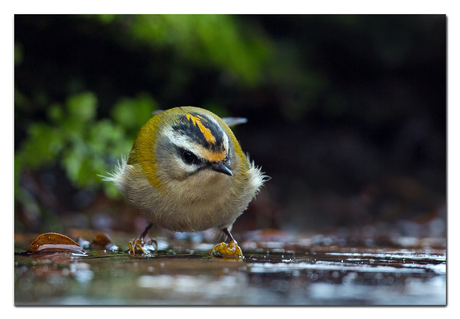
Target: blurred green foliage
[(73, 138), (208, 40)]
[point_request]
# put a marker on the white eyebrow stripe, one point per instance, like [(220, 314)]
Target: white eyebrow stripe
[(183, 141)]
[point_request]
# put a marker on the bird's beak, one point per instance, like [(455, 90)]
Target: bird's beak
[(221, 168)]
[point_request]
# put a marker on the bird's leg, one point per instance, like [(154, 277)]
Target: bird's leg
[(230, 250), (138, 246)]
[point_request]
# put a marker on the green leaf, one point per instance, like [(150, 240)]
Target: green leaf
[(132, 113), (55, 113), (82, 107), (73, 164), (43, 145)]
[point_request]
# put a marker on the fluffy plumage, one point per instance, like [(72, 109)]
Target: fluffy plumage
[(178, 172)]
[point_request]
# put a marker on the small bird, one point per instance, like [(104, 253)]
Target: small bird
[(186, 172)]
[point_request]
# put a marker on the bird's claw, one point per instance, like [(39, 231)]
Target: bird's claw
[(139, 247), (227, 251)]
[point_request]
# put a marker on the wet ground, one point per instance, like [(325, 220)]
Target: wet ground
[(311, 270)]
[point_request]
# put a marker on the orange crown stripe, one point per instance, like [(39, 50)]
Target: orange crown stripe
[(216, 157), (206, 132)]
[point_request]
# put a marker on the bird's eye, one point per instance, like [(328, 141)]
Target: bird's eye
[(190, 158)]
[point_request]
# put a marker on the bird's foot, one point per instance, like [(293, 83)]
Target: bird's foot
[(227, 251), (139, 247)]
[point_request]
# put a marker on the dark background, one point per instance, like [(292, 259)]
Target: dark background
[(346, 113)]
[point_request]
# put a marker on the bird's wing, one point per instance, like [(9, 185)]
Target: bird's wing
[(232, 121)]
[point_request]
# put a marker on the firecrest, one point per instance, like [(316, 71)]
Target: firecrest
[(186, 172)]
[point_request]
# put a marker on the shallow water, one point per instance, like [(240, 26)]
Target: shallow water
[(272, 273)]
